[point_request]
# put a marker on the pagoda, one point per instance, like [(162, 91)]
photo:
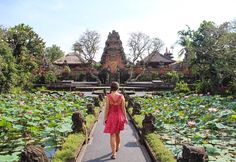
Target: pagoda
[(113, 58)]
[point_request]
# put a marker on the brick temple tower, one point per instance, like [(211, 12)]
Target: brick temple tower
[(113, 57)]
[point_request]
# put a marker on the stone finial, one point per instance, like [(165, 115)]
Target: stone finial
[(78, 122), (33, 154)]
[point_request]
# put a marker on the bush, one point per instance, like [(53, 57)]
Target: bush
[(50, 77), (69, 148), (172, 77), (203, 86), (161, 152), (182, 87)]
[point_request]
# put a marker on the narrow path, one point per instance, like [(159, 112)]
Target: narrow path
[(98, 149)]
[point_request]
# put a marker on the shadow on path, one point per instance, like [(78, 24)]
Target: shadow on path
[(106, 157)]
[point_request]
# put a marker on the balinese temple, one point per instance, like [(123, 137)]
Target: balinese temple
[(75, 62), (113, 62), (113, 57), (157, 60)]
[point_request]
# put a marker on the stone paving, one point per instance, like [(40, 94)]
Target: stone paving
[(98, 149)]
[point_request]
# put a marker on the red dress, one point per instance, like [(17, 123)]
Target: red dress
[(115, 118)]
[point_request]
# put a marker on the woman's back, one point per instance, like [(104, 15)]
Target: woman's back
[(115, 119)]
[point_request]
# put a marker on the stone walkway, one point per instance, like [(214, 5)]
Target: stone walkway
[(98, 149)]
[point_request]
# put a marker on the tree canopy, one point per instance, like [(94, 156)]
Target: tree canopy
[(210, 51), (88, 45)]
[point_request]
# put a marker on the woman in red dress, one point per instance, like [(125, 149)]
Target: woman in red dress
[(115, 117)]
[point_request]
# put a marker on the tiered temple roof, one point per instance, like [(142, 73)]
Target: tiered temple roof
[(113, 56), (72, 58)]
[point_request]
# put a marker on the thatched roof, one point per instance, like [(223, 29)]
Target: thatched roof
[(156, 57), (72, 58)]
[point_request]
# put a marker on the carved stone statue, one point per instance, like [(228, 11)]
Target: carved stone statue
[(193, 154), (136, 109), (78, 122), (113, 57), (90, 109), (148, 123), (33, 154)]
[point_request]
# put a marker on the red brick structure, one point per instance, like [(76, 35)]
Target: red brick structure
[(113, 57), (77, 65)]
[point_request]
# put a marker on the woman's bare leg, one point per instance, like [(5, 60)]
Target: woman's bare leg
[(117, 141), (113, 143)]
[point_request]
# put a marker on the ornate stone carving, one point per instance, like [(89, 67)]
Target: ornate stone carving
[(193, 154), (148, 123), (113, 55), (78, 122), (33, 154), (96, 101), (90, 109), (136, 109)]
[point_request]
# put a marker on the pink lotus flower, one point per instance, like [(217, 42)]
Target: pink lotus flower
[(200, 95), (212, 109), (30, 112), (21, 103), (201, 106), (157, 111), (208, 93), (191, 123), (186, 97)]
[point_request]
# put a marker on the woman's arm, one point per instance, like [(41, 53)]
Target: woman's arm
[(124, 110), (106, 110)]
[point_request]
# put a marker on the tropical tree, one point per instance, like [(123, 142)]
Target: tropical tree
[(24, 41), (8, 77), (212, 50), (53, 53), (87, 47), (141, 45)]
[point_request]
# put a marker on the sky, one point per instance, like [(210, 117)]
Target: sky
[(61, 22)]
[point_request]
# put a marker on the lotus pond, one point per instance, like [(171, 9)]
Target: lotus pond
[(35, 118), (207, 121)]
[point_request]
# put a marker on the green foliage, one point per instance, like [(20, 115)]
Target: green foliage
[(161, 152), (210, 53), (181, 87), (24, 41), (8, 76), (138, 120), (204, 86), (53, 53), (194, 119), (21, 51), (172, 77), (89, 121), (36, 118), (50, 77), (69, 148)]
